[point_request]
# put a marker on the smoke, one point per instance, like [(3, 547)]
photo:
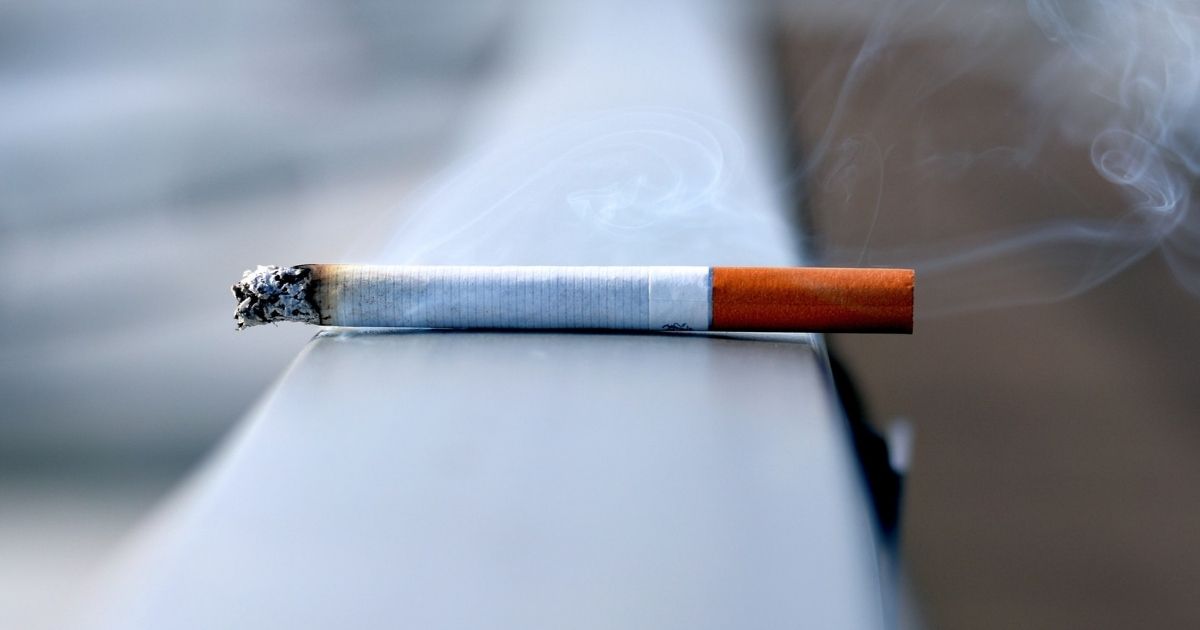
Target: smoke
[(1145, 56), (617, 187), (1015, 154)]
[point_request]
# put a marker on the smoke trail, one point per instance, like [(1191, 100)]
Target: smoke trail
[(1030, 98), (630, 182)]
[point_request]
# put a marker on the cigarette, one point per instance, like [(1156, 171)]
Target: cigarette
[(779, 299)]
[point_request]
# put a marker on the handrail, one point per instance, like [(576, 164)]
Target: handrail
[(548, 480)]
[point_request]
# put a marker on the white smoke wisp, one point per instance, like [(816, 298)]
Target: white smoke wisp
[(613, 187), (1146, 57), (1107, 86)]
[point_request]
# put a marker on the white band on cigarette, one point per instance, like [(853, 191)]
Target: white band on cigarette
[(680, 298)]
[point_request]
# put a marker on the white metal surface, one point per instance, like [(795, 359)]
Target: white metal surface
[(532, 480)]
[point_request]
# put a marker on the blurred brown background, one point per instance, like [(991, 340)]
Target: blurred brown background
[(1055, 473)]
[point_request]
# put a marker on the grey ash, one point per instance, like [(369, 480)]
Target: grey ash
[(274, 294)]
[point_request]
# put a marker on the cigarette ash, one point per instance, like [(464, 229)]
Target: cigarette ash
[(271, 294)]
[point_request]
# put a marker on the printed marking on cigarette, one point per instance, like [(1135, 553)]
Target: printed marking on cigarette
[(779, 299)]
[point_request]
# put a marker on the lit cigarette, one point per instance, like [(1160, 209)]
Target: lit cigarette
[(796, 299)]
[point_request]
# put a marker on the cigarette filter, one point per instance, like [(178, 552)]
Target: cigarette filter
[(797, 299)]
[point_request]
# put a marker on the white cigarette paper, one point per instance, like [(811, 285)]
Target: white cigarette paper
[(630, 298)]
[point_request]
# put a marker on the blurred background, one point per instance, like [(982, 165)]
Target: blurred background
[(1034, 161)]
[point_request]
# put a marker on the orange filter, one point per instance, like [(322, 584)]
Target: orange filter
[(814, 299)]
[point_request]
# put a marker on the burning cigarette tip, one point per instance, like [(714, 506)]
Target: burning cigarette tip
[(269, 294)]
